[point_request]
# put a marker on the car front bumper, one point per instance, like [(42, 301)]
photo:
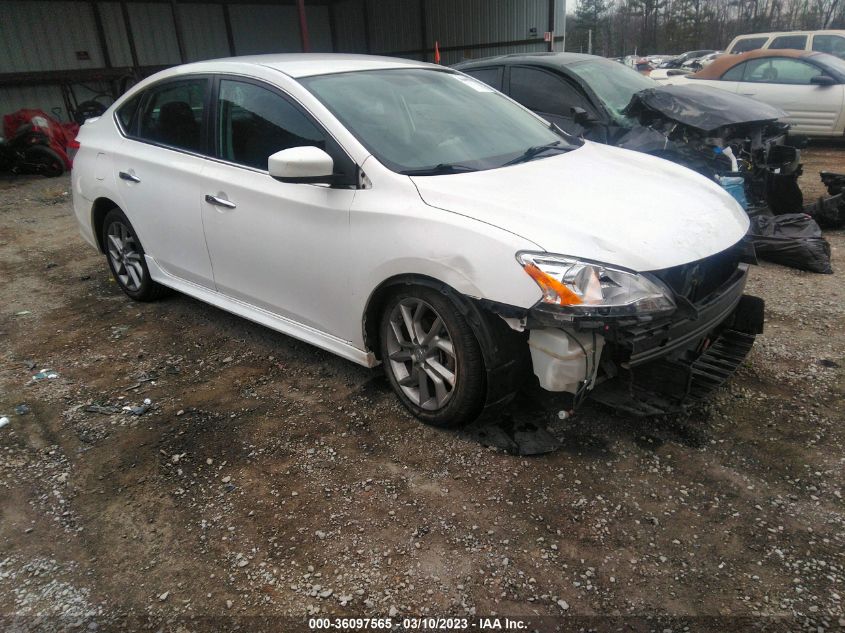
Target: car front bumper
[(665, 366)]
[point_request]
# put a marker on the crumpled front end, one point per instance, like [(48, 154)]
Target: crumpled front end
[(650, 365), (719, 134)]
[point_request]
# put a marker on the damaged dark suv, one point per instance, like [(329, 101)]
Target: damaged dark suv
[(715, 133)]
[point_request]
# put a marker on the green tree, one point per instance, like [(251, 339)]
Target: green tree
[(591, 15)]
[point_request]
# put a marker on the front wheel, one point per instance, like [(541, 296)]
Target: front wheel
[(432, 358)]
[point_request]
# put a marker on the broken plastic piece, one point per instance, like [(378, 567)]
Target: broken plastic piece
[(734, 185), (3, 421), (45, 374)]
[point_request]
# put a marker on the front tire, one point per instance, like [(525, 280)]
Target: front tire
[(432, 358), (125, 256)]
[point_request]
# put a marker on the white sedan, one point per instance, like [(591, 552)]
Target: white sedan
[(396, 212), (808, 86)]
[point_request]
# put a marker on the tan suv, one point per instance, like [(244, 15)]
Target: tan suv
[(829, 41)]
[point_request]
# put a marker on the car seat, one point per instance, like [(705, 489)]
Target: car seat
[(177, 126), (770, 73)]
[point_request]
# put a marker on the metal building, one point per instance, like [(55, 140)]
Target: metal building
[(57, 53)]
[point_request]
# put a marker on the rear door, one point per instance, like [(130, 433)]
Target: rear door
[(785, 82), (158, 166)]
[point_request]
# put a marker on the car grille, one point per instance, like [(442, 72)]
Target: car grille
[(699, 279)]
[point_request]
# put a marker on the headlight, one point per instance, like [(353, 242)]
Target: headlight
[(589, 288)]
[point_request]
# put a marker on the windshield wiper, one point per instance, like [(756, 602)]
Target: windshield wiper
[(536, 150), (437, 170)]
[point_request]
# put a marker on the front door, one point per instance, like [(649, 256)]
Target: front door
[(550, 96), (786, 83), (282, 247)]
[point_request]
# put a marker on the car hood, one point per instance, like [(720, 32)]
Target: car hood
[(702, 107), (600, 203)]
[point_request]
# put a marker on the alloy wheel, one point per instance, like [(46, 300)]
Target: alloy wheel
[(421, 354), (125, 256)]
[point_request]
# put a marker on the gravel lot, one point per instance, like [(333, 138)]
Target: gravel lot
[(268, 481)]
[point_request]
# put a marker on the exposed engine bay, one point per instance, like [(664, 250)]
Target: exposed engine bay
[(720, 135)]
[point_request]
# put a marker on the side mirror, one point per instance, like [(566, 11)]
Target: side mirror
[(302, 164), (822, 80), (582, 117)]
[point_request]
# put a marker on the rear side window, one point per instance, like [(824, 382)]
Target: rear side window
[(254, 123), (832, 44), (490, 76), (126, 114), (797, 42), (541, 91), (749, 44), (173, 114)]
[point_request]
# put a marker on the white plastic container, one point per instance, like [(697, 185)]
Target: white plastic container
[(560, 363)]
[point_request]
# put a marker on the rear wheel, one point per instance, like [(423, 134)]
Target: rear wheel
[(432, 358), (125, 256)]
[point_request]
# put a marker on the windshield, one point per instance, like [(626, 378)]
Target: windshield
[(830, 63), (419, 121), (614, 84)]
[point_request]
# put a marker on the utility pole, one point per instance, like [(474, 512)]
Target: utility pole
[(563, 29), (590, 42)]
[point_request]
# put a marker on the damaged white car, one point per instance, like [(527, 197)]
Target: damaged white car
[(396, 212)]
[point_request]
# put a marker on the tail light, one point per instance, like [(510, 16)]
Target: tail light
[(72, 149)]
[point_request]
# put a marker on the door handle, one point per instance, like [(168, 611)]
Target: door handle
[(219, 202), (125, 175)]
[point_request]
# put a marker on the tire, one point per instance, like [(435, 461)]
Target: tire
[(43, 160), (418, 365), (88, 110), (125, 257)]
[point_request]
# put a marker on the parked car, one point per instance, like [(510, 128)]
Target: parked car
[(663, 74), (701, 62), (809, 87), (681, 60), (640, 64), (826, 41), (590, 96), (396, 212)]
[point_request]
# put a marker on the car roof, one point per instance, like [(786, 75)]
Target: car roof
[(777, 33), (304, 64), (723, 64), (551, 60)]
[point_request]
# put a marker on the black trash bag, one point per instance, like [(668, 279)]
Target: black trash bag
[(793, 239)]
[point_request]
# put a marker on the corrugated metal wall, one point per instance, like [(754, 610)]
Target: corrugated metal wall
[(204, 31), (31, 40), (46, 36)]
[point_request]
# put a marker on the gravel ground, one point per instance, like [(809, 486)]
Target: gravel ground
[(266, 481)]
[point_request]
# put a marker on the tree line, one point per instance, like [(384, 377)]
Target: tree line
[(616, 28)]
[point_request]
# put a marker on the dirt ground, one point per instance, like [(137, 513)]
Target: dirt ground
[(269, 481)]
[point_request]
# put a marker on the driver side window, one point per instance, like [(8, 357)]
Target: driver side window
[(542, 91)]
